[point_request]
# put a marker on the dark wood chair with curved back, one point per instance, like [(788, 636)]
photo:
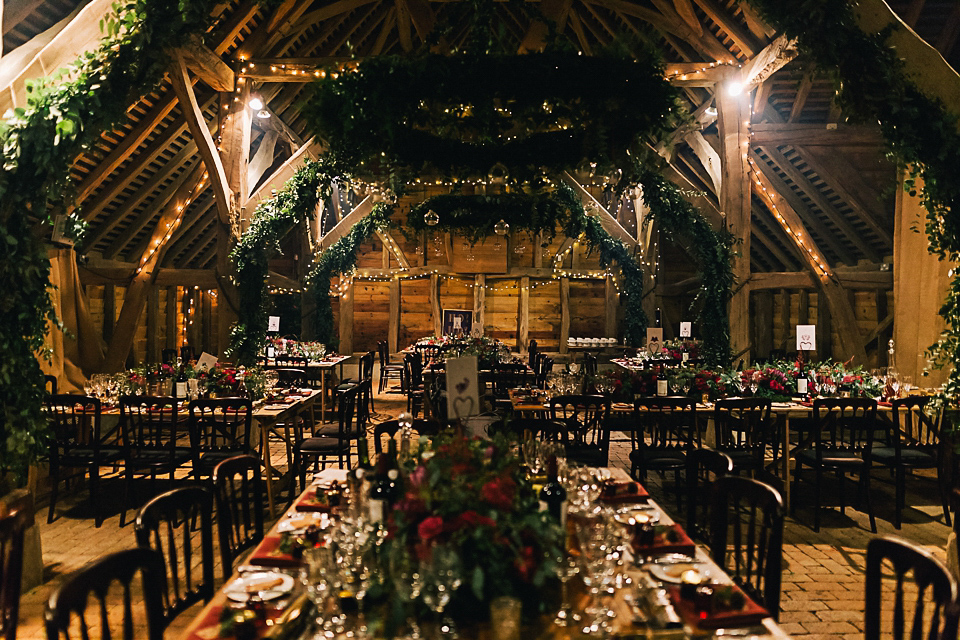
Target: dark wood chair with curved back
[(413, 373), (388, 370), (77, 443), (664, 431), (219, 429), (586, 417), (704, 466), (747, 537), (165, 525), (238, 491), (168, 356), (90, 585), (913, 443), (13, 524), (936, 600), (743, 431)]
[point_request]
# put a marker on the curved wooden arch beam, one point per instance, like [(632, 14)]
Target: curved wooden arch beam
[(609, 223)]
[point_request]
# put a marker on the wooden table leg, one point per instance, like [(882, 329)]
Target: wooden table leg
[(323, 395), (268, 467), (785, 463)]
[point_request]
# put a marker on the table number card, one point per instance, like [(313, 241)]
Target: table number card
[(463, 392), (654, 339), (686, 329), (273, 324), (206, 361), (806, 337)]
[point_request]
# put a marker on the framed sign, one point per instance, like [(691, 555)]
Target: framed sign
[(463, 392), (457, 322), (806, 337), (686, 329), (654, 339), (273, 324)]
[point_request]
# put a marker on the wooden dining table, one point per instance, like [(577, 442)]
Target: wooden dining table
[(631, 619), (321, 367)]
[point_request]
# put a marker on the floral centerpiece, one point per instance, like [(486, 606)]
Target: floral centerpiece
[(298, 348), (488, 351), (469, 496), (227, 380)]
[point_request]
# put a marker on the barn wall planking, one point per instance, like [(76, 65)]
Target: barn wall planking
[(500, 317), (545, 314), (416, 319), (587, 308), (371, 305)]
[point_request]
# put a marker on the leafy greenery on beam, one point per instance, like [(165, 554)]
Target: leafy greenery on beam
[(341, 258)]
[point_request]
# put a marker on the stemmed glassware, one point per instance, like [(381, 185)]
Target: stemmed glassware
[(567, 568), (318, 575), (532, 457), (441, 573), (598, 564), (408, 582)]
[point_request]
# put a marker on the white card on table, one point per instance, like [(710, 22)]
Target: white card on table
[(463, 392), (686, 329), (654, 339), (273, 324), (806, 337), (206, 361)]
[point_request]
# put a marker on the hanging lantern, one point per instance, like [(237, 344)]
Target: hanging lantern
[(431, 218), (501, 228)]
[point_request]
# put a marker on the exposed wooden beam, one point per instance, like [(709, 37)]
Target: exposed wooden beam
[(684, 9), (187, 229), (707, 155), (806, 280), (803, 92), (389, 243), (183, 89), (263, 158), (343, 227), (608, 222), (815, 134), (948, 34), (207, 65), (725, 19), (209, 235), (284, 172), (771, 59)]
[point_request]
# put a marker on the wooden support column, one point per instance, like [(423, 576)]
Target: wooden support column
[(435, 304), (523, 314), (346, 320), (612, 304), (733, 116), (564, 313), (206, 340), (825, 329), (109, 310), (393, 321), (785, 326), (803, 311), (170, 319), (763, 323), (880, 302), (479, 301), (153, 329)]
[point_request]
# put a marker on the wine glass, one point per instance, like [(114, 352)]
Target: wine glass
[(574, 368), (531, 455), (567, 568), (594, 564), (408, 583), (315, 575), (754, 384), (441, 578)]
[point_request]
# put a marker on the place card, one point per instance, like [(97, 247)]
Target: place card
[(206, 361), (463, 392), (273, 324), (686, 329), (806, 337)]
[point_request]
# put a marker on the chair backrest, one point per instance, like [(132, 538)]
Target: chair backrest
[(669, 423), (589, 364), (585, 414), (428, 352), (510, 375), (364, 391), (913, 427), (187, 353), (384, 352), (413, 369), (386, 428), (165, 524), (149, 423), (50, 384), (12, 527), (289, 377), (533, 356), (90, 586), (75, 423), (747, 537), (238, 489), (845, 424), (219, 425), (741, 424), (544, 368), (704, 466), (366, 365), (168, 356), (542, 429), (934, 612)]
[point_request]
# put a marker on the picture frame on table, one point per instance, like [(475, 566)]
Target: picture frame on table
[(457, 322)]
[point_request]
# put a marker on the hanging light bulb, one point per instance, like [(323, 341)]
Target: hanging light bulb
[(263, 114), (501, 228), (255, 103), (431, 218)]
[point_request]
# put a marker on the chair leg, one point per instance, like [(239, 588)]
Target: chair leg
[(841, 476), (944, 499), (816, 512), (127, 486), (94, 495), (55, 477), (866, 488), (901, 497), (679, 489)]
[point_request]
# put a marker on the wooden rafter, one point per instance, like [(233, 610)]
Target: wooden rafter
[(771, 59), (262, 159), (197, 125), (816, 134), (725, 19), (187, 229), (607, 220), (684, 9), (285, 171), (803, 92), (207, 65)]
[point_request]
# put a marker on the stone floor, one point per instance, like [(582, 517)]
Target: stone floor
[(822, 576)]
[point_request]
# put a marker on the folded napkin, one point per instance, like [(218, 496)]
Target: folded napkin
[(623, 492), (669, 538), (310, 502), (267, 555), (750, 614)]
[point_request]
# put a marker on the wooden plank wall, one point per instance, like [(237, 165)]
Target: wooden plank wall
[(416, 320), (371, 310), (545, 314)]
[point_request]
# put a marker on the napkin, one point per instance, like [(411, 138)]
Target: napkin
[(751, 613)]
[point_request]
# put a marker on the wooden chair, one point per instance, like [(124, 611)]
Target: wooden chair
[(168, 356), (388, 371), (90, 585), (544, 368), (413, 372), (149, 427), (291, 378), (543, 429), (913, 443), (664, 431), (77, 443), (165, 524), (589, 364), (219, 429), (238, 490), (743, 430), (932, 615), (12, 527), (704, 466), (585, 416), (187, 353), (322, 446), (50, 384), (533, 356), (392, 427), (506, 376), (747, 537), (842, 438)]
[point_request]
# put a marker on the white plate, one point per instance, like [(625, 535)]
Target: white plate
[(237, 591), (300, 521), (672, 572)]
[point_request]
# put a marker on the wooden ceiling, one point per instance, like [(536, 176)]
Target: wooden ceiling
[(832, 174)]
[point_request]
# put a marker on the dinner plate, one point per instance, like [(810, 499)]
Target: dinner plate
[(299, 521), (276, 585), (673, 572)]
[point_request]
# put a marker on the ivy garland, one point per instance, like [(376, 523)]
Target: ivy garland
[(922, 134), (519, 117), (339, 258), (64, 117), (272, 220)]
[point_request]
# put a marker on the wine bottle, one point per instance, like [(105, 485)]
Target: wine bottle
[(802, 385), (181, 388), (661, 383), (553, 497), (271, 351), (379, 496)]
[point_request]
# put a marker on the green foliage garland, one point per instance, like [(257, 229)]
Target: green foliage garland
[(712, 250), (272, 220), (339, 258), (921, 132), (64, 116), (463, 115)]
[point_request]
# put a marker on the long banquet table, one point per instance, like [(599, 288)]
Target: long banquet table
[(630, 620)]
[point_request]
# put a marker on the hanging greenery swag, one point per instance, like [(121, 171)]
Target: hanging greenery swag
[(920, 131)]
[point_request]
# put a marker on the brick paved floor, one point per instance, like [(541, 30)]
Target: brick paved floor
[(822, 576)]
